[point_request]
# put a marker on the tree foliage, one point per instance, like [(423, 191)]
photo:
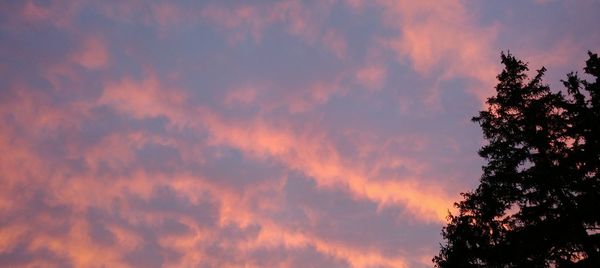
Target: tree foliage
[(538, 201)]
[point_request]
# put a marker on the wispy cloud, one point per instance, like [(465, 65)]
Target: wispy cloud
[(217, 134)]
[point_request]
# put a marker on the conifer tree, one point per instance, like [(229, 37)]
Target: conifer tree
[(538, 201)]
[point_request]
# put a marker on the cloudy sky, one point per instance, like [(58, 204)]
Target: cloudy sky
[(326, 133)]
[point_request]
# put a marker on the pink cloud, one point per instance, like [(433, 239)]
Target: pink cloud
[(305, 152), (80, 249), (443, 33), (32, 11), (335, 42), (241, 20), (244, 95), (298, 19), (372, 77), (319, 160), (147, 98), (167, 15), (559, 54), (177, 151), (316, 93), (57, 13), (93, 54)]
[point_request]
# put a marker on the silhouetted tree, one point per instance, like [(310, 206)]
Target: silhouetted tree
[(538, 201)]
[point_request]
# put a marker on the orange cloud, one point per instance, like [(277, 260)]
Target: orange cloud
[(312, 154), (102, 165), (443, 33), (307, 151)]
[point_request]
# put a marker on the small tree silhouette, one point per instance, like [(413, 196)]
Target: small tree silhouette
[(538, 201)]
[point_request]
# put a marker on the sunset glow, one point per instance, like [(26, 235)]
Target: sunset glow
[(325, 133)]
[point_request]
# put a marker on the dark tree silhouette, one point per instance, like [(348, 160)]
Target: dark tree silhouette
[(538, 201)]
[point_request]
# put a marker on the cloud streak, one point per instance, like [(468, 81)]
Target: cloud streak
[(217, 134)]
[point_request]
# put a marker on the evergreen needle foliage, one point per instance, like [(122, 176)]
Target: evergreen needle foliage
[(538, 201)]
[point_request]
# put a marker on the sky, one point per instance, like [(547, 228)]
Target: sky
[(326, 133)]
